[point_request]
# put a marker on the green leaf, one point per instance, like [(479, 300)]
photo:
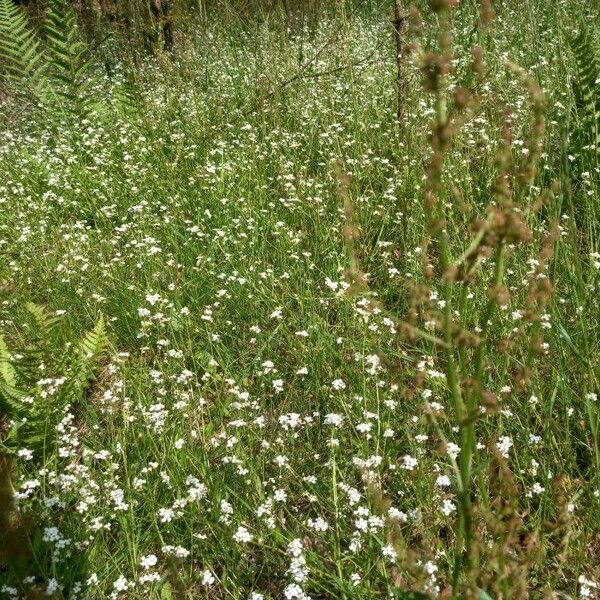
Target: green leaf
[(165, 591), (93, 343), (586, 86), (70, 71), (44, 321), (7, 371), (19, 46)]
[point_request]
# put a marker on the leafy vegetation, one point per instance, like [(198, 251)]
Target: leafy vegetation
[(299, 300), (586, 88)]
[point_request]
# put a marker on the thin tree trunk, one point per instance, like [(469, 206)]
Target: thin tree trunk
[(399, 23)]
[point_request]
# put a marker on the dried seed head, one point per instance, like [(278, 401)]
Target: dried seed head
[(478, 64), (438, 6), (461, 98), (486, 13)]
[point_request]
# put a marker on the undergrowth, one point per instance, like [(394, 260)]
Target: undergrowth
[(266, 334)]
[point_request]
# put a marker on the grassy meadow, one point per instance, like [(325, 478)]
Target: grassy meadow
[(263, 337)]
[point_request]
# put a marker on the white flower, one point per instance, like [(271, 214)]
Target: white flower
[(280, 460), (333, 419), (207, 578), (504, 444), (294, 592), (295, 547), (338, 384), (443, 481), (25, 454), (166, 515), (121, 584), (587, 587), (448, 507), (409, 463), (148, 561), (452, 450), (149, 577), (318, 524), (397, 515), (51, 587), (242, 535), (537, 488)]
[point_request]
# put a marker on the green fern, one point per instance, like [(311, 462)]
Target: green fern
[(126, 94), (20, 55), (67, 58), (10, 396), (44, 322), (55, 68), (7, 371), (33, 416), (89, 352), (586, 88)]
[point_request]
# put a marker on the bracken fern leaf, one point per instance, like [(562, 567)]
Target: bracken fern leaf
[(89, 352), (44, 322), (586, 88), (7, 371), (20, 57), (67, 58)]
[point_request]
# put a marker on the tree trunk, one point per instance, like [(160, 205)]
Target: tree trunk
[(399, 22)]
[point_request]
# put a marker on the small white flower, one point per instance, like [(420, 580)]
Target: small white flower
[(333, 419), (318, 524), (409, 463), (279, 495), (148, 561), (448, 507), (25, 454), (242, 535), (504, 444), (338, 384), (453, 450), (443, 481)]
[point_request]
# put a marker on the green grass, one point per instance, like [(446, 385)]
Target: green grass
[(203, 214)]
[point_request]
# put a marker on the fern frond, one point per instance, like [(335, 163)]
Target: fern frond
[(67, 58), (93, 343), (127, 96), (11, 400), (586, 88), (44, 322), (7, 371), (89, 351), (10, 395), (34, 419), (20, 55)]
